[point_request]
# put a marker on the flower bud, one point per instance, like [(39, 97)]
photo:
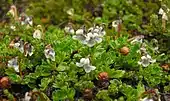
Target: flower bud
[(165, 67), (124, 50), (4, 82), (103, 76), (88, 94)]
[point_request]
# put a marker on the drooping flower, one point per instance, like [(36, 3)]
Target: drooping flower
[(17, 43), (155, 45), (38, 32), (70, 11), (26, 20), (28, 49), (14, 63), (142, 50), (137, 39), (13, 12), (85, 63), (146, 60), (69, 29), (27, 96), (163, 13), (49, 52), (116, 24), (13, 28)]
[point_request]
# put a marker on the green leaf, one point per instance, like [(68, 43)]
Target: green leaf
[(45, 82), (116, 73), (63, 67)]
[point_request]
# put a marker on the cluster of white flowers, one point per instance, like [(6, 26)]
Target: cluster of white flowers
[(49, 52), (146, 58), (23, 47), (91, 36), (23, 19), (85, 63), (14, 64)]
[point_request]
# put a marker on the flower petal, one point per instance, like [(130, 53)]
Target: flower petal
[(153, 61), (79, 64), (87, 68), (164, 16), (80, 31), (98, 40), (87, 61), (161, 11), (92, 67)]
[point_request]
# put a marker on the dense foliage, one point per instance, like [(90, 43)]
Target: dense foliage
[(85, 50)]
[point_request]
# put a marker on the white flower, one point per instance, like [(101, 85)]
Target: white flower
[(26, 20), (14, 63), (164, 16), (19, 45), (28, 49), (146, 60), (146, 99), (37, 34), (69, 29), (80, 35), (13, 28), (92, 39), (85, 63), (163, 13), (137, 39), (155, 45), (70, 11), (116, 23), (13, 11), (102, 31), (49, 52), (29, 21), (27, 96)]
